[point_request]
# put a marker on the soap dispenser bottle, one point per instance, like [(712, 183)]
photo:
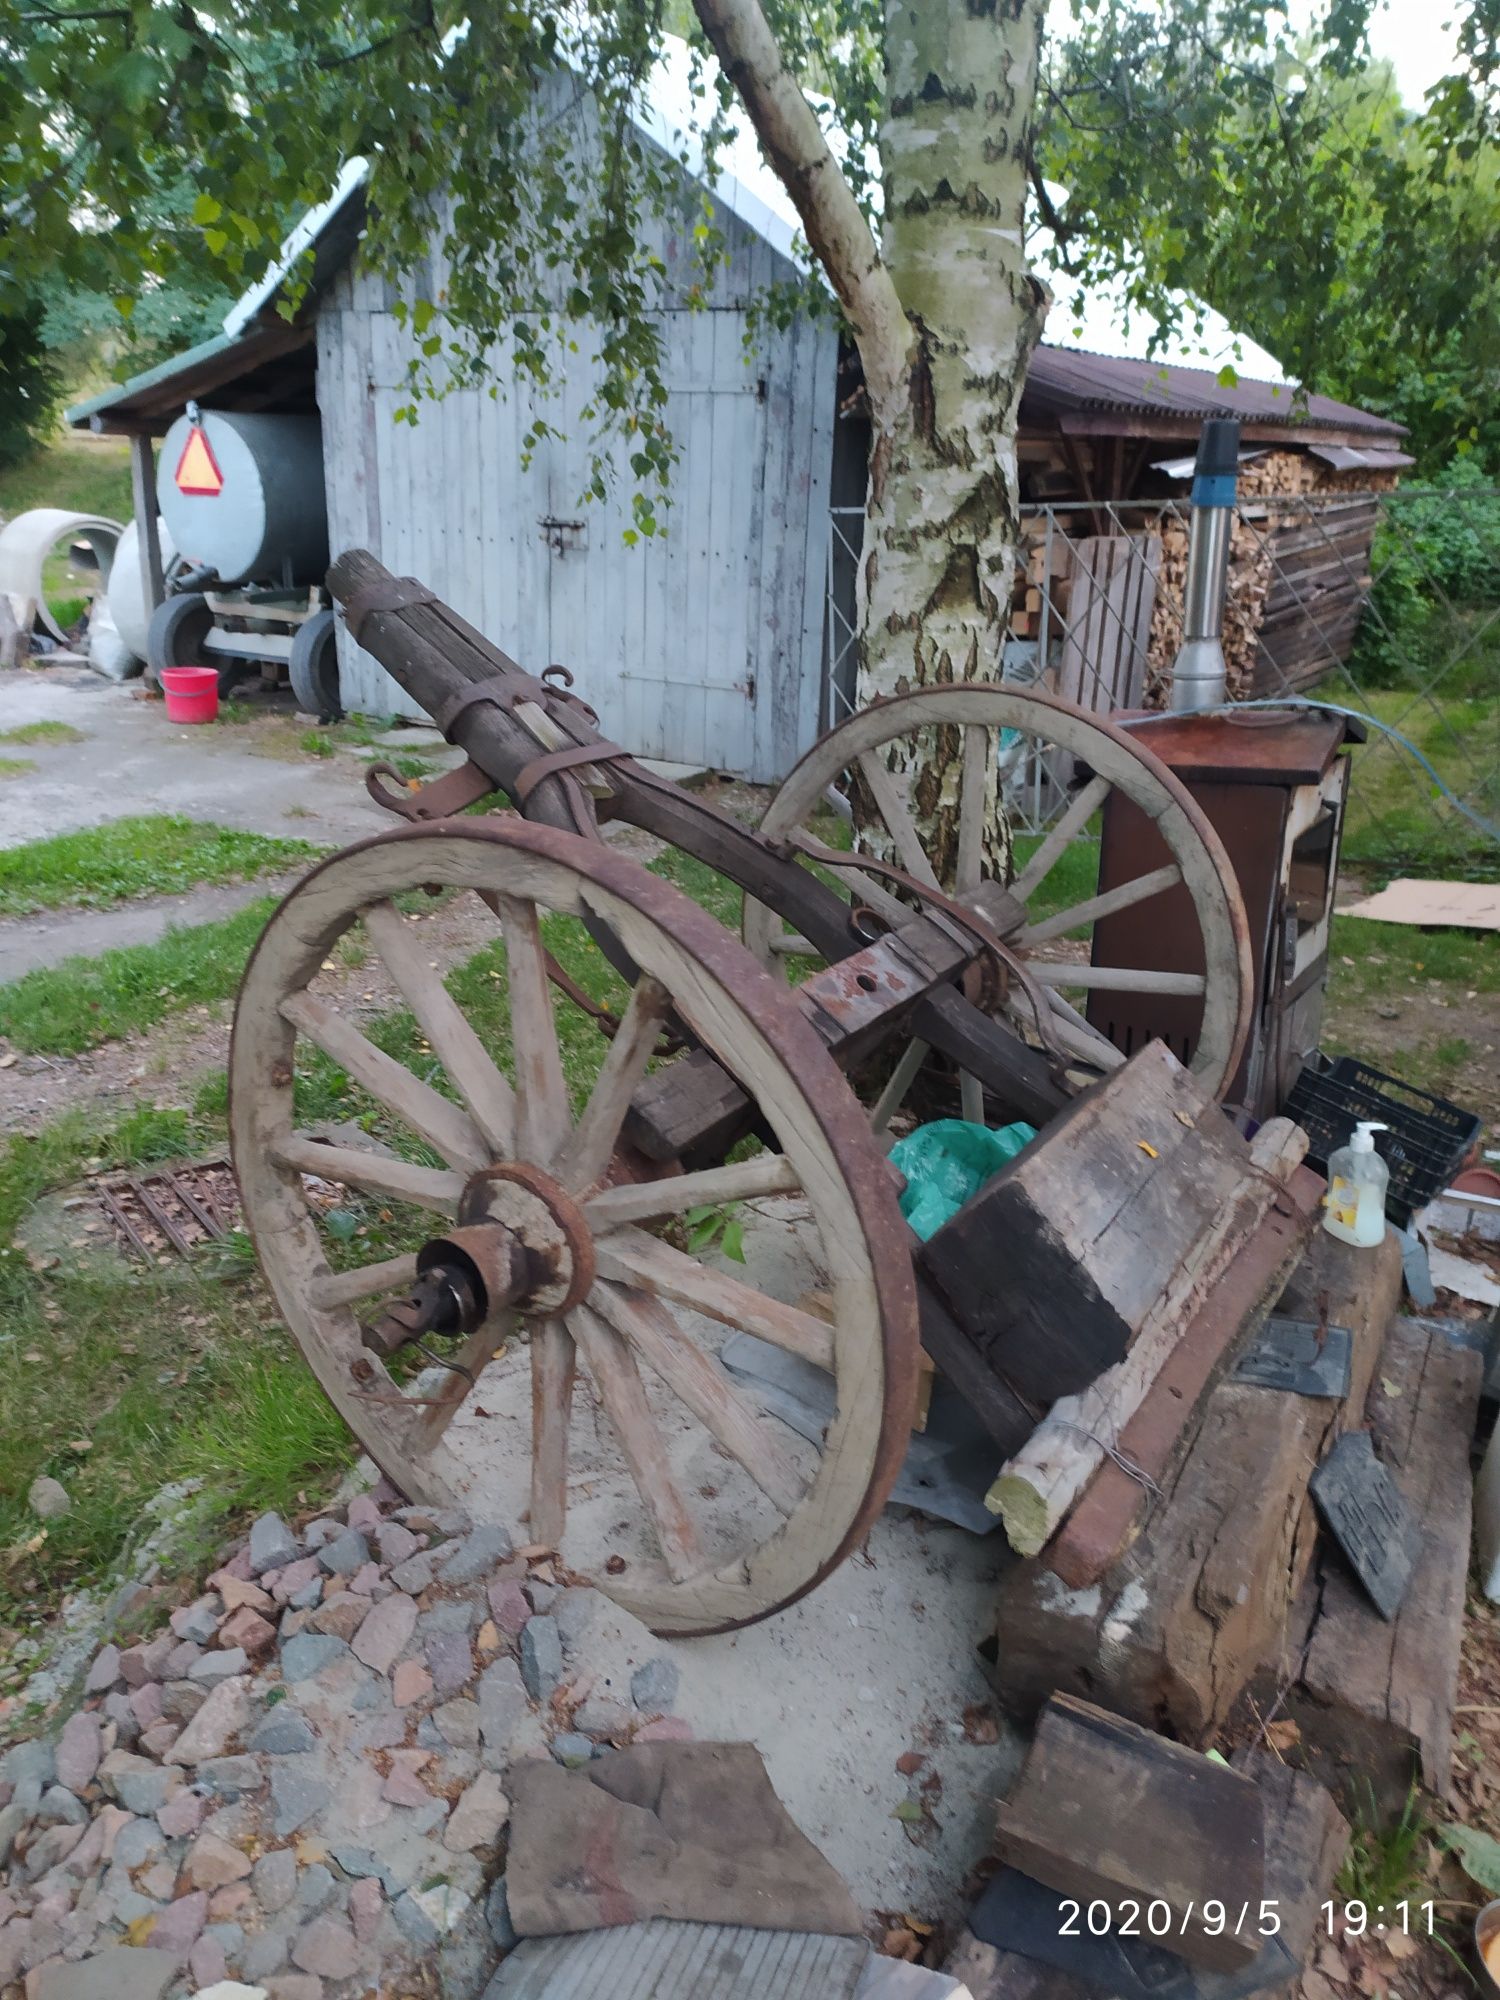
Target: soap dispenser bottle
[(1354, 1206)]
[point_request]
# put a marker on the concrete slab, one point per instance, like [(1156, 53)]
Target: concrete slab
[(29, 943), (132, 760)]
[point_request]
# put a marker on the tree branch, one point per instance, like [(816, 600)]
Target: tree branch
[(793, 142)]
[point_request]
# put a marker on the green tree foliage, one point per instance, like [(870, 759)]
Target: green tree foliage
[(29, 383), (1206, 150)]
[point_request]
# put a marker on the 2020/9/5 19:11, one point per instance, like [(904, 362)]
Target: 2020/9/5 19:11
[(1415, 1919)]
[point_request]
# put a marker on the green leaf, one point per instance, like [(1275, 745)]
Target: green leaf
[(1478, 1855), (1228, 376), (734, 1240), (909, 1811), (341, 1224), (217, 241), (206, 209)]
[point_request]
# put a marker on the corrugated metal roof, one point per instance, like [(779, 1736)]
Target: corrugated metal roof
[(1067, 379)]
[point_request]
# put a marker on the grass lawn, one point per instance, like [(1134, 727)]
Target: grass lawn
[(147, 856), (1398, 821), (42, 732), (63, 1009), (86, 475)]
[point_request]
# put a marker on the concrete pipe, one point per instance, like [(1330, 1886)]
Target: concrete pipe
[(27, 541)]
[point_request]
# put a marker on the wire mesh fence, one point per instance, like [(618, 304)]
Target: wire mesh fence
[(1384, 603)]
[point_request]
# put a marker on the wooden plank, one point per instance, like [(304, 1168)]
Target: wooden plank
[(1103, 1521), (1088, 1225), (1174, 1630), (1374, 1698), (1039, 1484), (1105, 1809)]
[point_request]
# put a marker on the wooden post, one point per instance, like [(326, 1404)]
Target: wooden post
[(143, 498)]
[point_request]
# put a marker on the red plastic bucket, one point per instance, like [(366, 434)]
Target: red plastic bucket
[(192, 693)]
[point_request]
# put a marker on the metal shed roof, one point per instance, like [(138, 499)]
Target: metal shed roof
[(1101, 393)]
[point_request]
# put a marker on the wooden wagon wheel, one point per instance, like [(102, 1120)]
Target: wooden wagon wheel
[(552, 1242), (1021, 731)]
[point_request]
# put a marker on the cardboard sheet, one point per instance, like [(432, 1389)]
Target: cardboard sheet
[(1470, 906)]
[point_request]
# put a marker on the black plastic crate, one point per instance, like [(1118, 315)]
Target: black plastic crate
[(1427, 1140)]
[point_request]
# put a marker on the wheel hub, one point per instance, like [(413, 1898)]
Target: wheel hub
[(521, 1244)]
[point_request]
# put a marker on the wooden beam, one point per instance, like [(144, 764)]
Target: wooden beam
[(148, 539)]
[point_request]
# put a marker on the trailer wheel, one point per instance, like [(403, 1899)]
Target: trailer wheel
[(314, 668), (176, 634)]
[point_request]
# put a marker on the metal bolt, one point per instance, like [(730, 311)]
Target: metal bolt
[(362, 1368)]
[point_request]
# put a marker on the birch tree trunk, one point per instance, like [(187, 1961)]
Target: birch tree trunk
[(945, 316)]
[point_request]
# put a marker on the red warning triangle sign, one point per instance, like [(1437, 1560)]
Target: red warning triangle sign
[(198, 469)]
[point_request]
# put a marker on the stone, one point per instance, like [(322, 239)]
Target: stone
[(35, 1758), (138, 1784), (575, 1611), (342, 1615), (296, 1576), (231, 1777), (207, 1965), (263, 1954), (502, 1703), (51, 1848), (118, 1713), (105, 1671), (136, 1842), (347, 1552), (476, 1555), (272, 1544), (78, 1751), (414, 1574), (145, 1703), (443, 1905), (118, 1972), (282, 1733), (212, 1862), (48, 1498), (309, 1596), (59, 1807), (181, 1700), (297, 1795), (327, 1528), (158, 1739), (450, 1661), (12, 1819), (479, 1815), (177, 1928), (183, 1657), (229, 1989), (222, 1718), (497, 1916), (385, 1633), (221, 1666), (458, 1723), (363, 1512), (247, 1633), (413, 1922), (653, 1687), (182, 1814), (307, 1653), (410, 1682), (295, 1986), (366, 1901), (317, 1887), (666, 1729), (603, 1717), (159, 1881), (328, 1948), (394, 1543), (231, 1904), (541, 1657), (198, 1621), (274, 1879), (360, 1863), (240, 1595), (509, 1605), (403, 1787), (571, 1749)]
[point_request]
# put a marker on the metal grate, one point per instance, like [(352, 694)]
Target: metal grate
[(170, 1212)]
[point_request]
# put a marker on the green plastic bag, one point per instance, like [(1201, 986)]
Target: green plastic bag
[(949, 1160)]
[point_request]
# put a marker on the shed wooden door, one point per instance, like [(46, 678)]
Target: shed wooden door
[(1111, 596), (660, 634)]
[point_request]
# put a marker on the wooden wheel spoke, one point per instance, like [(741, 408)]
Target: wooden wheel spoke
[(542, 1114), (1107, 904), (623, 1394), (973, 785), (590, 1147), (554, 1365), (446, 1128), (342, 1288), (898, 821), (791, 945), (488, 1095), (703, 1388), (631, 1257), (1078, 1037), (767, 1173), (376, 1173), (1114, 978), (1059, 837), (464, 1371), (902, 1077)]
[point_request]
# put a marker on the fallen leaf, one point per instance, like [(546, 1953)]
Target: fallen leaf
[(980, 1725), (910, 1762), (908, 1812), (1149, 1150), (1283, 1735), (1390, 1389), (1399, 1944), (899, 1942)]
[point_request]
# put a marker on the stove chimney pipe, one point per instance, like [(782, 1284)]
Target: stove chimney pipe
[(1199, 676)]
